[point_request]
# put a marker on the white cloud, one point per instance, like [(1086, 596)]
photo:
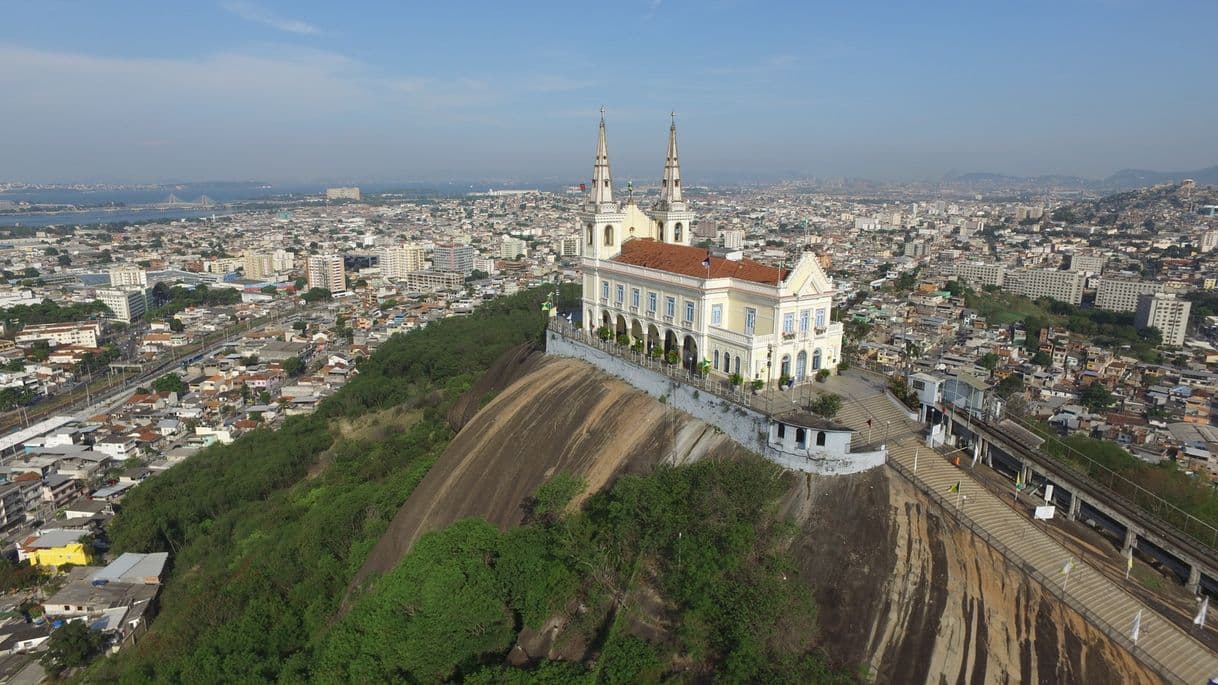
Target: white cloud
[(251, 12)]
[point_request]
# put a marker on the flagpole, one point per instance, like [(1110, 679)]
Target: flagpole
[(915, 460)]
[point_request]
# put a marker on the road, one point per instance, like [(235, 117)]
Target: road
[(86, 394)]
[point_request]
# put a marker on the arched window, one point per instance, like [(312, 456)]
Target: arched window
[(782, 431), (716, 360), (816, 360), (820, 438), (608, 235), (676, 233), (660, 233), (727, 362), (801, 437), (589, 234)]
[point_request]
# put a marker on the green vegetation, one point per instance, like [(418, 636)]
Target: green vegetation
[(261, 554), (171, 300), (826, 404), (1113, 330), (70, 646), (51, 312), (170, 382), (316, 295), (1113, 466), (703, 538)]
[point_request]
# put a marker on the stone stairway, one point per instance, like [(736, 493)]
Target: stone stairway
[(1162, 644)]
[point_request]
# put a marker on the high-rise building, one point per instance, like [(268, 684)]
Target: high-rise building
[(399, 260), (128, 276), (457, 259), (980, 275), (1122, 296), (567, 247), (1090, 263), (326, 271), (258, 265), (511, 248), (282, 261), (1063, 286), (351, 193), (1166, 313), (126, 304), (1209, 240)]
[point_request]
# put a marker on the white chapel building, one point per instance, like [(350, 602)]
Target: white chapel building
[(643, 278)]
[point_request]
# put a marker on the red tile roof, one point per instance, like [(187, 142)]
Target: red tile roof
[(687, 261)]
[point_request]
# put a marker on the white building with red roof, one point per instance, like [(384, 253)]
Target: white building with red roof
[(643, 279)]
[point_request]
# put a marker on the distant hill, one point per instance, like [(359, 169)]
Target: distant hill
[(1126, 179), (1138, 178)]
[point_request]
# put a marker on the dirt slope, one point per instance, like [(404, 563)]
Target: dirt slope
[(562, 416)]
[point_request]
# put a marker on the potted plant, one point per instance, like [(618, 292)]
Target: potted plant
[(784, 380), (604, 333), (672, 357), (758, 384), (636, 346), (735, 379), (656, 352), (822, 375), (623, 340)]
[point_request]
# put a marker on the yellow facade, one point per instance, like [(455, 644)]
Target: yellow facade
[(54, 557)]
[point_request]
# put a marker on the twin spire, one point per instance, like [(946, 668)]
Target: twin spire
[(602, 179)]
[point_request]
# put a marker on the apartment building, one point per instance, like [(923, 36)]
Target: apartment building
[(458, 259), (128, 277), (981, 275), (127, 305), (77, 334), (400, 260), (1063, 286), (1119, 295), (1165, 312), (327, 271)]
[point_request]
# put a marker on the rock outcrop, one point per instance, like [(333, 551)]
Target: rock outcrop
[(902, 590)]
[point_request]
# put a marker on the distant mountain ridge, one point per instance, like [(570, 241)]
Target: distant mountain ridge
[(1125, 179)]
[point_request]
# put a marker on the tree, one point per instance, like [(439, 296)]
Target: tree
[(989, 361), (1009, 386), (316, 295), (826, 404), (269, 290), (1096, 397), (170, 382), (71, 646), (64, 260), (1042, 358), (476, 275), (293, 366), (40, 351)]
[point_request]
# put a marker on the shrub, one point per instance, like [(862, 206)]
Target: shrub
[(735, 379), (822, 375)]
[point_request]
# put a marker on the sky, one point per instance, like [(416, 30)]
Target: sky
[(150, 91)]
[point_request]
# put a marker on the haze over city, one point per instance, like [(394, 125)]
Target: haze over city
[(278, 91)]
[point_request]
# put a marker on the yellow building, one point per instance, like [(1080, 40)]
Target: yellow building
[(55, 548)]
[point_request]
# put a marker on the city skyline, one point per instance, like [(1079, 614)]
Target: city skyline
[(311, 92)]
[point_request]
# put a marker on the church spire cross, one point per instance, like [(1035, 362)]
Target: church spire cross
[(602, 179), (670, 186)]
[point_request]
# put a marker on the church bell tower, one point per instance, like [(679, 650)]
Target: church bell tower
[(674, 220)]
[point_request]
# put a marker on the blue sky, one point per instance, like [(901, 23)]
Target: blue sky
[(295, 91)]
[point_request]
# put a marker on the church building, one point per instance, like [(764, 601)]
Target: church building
[(642, 278)]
